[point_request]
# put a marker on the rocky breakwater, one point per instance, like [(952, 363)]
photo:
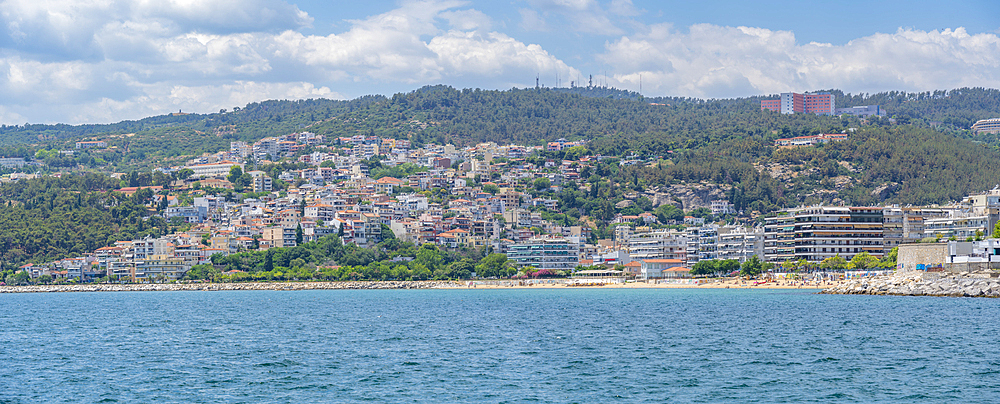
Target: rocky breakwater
[(965, 284), (170, 287)]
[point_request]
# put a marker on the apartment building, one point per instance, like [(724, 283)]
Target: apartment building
[(645, 243), (553, 253), (740, 243), (779, 237), (702, 243), (821, 232)]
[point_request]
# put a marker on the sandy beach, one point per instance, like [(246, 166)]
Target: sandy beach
[(477, 284), (724, 283)]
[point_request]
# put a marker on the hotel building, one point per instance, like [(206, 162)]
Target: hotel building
[(987, 126), (818, 103)]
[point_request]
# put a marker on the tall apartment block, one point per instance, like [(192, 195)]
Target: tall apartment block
[(818, 103), (821, 232)]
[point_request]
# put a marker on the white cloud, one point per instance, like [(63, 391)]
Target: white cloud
[(495, 54), (715, 61), (467, 20), (73, 29), (532, 21), (163, 98), (578, 15), (104, 60)]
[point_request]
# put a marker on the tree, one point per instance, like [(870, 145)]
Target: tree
[(493, 266), (752, 267), (429, 256), (667, 213), (184, 173), (298, 234), (234, 174), (492, 189), (833, 263), (728, 266), (340, 231), (705, 267), (386, 232), (269, 261), (864, 260), (889, 260), (542, 184)]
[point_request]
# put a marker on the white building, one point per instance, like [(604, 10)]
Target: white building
[(214, 170), (553, 253)]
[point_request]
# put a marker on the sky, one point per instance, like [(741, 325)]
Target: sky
[(101, 61)]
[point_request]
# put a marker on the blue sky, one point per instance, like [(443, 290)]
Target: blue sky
[(108, 60)]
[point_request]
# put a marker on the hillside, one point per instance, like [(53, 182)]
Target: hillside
[(728, 142)]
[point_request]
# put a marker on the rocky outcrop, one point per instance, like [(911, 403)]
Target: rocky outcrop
[(165, 287), (966, 284), (691, 196)]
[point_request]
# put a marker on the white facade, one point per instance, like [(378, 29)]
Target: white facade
[(220, 169)]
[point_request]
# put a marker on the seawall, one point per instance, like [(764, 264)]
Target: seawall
[(914, 283)]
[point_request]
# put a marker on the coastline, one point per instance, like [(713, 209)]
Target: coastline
[(362, 285), (918, 283)]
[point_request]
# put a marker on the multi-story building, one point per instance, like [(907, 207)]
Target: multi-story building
[(553, 253), (906, 225), (702, 243), (740, 243), (816, 103), (215, 170), (822, 232), (240, 149), (779, 237), (12, 162), (987, 126), (645, 243), (98, 144), (986, 204), (191, 214), (261, 182), (162, 266), (811, 140), (958, 225), (279, 236), (862, 111)]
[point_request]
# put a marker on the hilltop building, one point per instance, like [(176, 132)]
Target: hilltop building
[(987, 126), (817, 103), (810, 140), (861, 111)]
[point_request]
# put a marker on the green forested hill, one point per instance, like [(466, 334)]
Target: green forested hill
[(49, 217), (958, 108)]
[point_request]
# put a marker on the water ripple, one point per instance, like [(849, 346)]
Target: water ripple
[(496, 346)]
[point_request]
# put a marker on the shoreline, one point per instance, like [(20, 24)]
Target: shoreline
[(386, 285), (917, 283)]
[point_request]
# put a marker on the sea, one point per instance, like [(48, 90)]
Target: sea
[(497, 346)]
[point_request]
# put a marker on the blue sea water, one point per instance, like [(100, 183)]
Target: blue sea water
[(497, 346)]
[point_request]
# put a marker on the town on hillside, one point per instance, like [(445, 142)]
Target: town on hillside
[(500, 199)]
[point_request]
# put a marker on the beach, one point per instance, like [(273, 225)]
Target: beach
[(719, 283)]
